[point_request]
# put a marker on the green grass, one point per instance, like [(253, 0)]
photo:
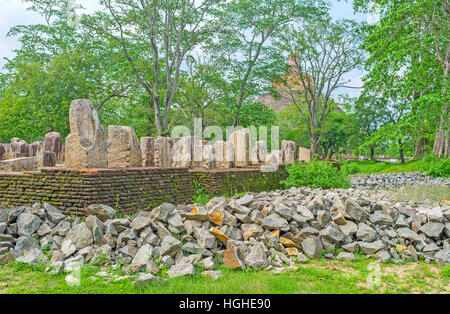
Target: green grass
[(377, 167), (432, 166), (321, 276)]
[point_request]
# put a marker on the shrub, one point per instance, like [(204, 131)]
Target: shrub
[(435, 167), (316, 174)]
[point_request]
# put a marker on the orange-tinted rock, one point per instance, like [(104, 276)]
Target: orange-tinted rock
[(288, 243), (216, 218), (218, 234), (251, 233), (231, 258)]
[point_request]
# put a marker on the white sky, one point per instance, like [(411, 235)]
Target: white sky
[(13, 12)]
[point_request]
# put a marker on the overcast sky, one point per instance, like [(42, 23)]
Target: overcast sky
[(13, 12)]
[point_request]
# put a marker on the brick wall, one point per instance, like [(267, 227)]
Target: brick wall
[(127, 190)]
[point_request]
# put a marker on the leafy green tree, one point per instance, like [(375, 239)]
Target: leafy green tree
[(244, 47), (322, 52), (410, 53), (166, 32)]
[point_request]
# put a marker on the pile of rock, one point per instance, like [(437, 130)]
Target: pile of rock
[(265, 230), (396, 180)]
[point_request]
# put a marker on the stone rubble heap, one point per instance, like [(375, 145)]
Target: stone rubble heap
[(396, 180), (260, 231)]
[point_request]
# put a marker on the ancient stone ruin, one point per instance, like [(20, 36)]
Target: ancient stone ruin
[(86, 145), (124, 150)]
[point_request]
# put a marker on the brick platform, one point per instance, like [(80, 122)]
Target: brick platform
[(129, 190)]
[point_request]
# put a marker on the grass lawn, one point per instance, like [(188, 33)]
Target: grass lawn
[(377, 167), (321, 276)]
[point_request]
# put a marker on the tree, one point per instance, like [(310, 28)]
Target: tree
[(411, 42), (169, 29), (244, 44), (370, 113), (321, 53)]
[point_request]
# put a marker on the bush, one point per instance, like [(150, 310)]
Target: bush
[(316, 174), (435, 167)]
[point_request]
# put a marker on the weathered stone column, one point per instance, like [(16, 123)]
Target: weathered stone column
[(123, 147), (287, 152), (86, 143), (182, 151), (224, 154), (258, 153), (241, 145), (148, 151), (304, 154), (53, 143)]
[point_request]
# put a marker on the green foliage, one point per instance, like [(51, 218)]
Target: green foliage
[(200, 197), (256, 114), (316, 174), (435, 167), (375, 167)]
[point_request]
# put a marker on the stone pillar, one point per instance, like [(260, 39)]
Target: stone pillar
[(182, 152), (123, 147), (273, 158), (163, 152), (46, 159), (8, 152), (304, 154), (287, 152), (2, 151), (258, 153), (208, 159), (224, 154), (148, 151), (53, 143), (20, 148), (241, 145), (86, 143)]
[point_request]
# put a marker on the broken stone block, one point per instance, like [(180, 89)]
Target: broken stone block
[(53, 143), (224, 154), (258, 153), (241, 145), (163, 152), (304, 154), (86, 143), (123, 147), (46, 159), (182, 152), (287, 152), (148, 151), (19, 164)]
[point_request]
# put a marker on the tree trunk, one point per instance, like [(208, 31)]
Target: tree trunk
[(441, 142), (372, 153), (419, 148), (402, 157), (313, 142)]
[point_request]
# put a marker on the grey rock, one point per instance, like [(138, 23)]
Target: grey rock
[(27, 224), (102, 212), (366, 233), (81, 236), (407, 233), (53, 214), (257, 257), (432, 229), (274, 221), (312, 247), (332, 234), (179, 270), (170, 246)]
